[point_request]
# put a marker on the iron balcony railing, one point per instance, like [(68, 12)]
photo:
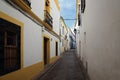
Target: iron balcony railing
[(28, 2), (48, 19)]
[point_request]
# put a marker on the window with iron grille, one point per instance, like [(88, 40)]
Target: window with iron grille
[(47, 16), (79, 18), (63, 30), (83, 4), (9, 47)]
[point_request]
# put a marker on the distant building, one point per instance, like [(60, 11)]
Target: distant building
[(63, 35), (71, 39), (77, 28)]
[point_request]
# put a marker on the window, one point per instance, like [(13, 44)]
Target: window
[(11, 38), (83, 4), (62, 42), (79, 18), (47, 17), (63, 30), (60, 32), (9, 47)]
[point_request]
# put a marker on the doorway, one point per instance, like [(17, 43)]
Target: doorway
[(9, 47), (46, 50), (56, 50)]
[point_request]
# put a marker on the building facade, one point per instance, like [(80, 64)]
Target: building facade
[(77, 28), (29, 37), (71, 39), (63, 36), (99, 38)]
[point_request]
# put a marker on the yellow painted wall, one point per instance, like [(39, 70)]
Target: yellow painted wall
[(53, 59), (25, 73), (57, 4), (47, 7)]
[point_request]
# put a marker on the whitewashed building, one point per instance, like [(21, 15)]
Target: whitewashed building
[(29, 37), (99, 38), (77, 28), (71, 39), (63, 36)]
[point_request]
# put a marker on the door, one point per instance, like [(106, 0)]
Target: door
[(10, 50), (9, 47), (56, 48), (1, 52), (46, 50)]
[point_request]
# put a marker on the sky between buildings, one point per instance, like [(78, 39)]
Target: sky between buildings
[(68, 11)]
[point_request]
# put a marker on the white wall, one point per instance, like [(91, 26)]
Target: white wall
[(53, 39), (77, 36), (55, 13), (32, 43), (101, 22), (68, 38), (32, 35), (33, 51), (38, 7)]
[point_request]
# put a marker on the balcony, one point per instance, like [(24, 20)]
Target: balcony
[(48, 19), (28, 2), (25, 5)]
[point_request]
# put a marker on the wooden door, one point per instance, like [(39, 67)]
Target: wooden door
[(9, 47)]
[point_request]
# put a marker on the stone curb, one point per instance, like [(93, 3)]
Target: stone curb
[(47, 69)]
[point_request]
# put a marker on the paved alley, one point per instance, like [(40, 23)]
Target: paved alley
[(67, 68)]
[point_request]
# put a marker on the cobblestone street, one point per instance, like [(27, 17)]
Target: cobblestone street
[(67, 68)]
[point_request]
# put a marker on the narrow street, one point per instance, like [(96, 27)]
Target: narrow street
[(68, 68), (59, 39)]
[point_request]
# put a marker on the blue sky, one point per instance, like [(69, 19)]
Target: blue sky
[(68, 11)]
